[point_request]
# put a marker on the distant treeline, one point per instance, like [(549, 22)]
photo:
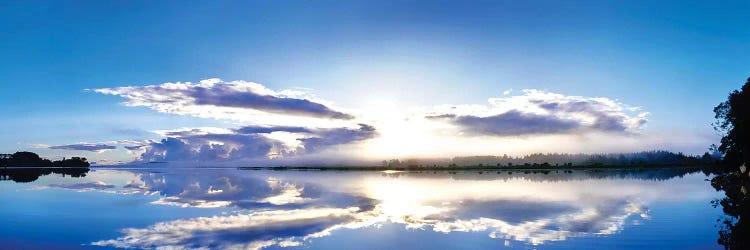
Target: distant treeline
[(29, 159), (549, 160)]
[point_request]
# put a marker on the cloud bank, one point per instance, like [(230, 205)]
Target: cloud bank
[(273, 119), (293, 123), (250, 142), (538, 112)]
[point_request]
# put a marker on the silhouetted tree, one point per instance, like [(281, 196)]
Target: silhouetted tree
[(734, 227), (733, 121), (29, 159)]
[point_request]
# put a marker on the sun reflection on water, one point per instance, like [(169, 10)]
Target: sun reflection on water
[(290, 210)]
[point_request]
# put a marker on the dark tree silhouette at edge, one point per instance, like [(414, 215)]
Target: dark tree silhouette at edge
[(733, 122)]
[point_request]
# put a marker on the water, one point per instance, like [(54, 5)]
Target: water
[(251, 209)]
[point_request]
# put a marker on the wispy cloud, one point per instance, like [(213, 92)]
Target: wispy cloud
[(214, 98), (268, 129), (85, 147), (38, 145), (84, 186)]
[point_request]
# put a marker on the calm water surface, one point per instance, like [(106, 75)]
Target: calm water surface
[(245, 209)]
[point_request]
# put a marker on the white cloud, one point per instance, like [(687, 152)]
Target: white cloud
[(234, 100), (292, 122), (540, 112), (249, 142), (93, 147), (38, 145)]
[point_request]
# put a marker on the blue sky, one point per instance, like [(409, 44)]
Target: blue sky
[(675, 60)]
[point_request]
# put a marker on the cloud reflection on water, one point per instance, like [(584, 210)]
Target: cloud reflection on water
[(283, 209), (82, 186)]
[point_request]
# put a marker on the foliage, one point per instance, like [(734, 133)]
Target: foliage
[(658, 157), (29, 159), (733, 122)]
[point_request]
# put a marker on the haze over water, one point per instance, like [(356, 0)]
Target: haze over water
[(229, 208)]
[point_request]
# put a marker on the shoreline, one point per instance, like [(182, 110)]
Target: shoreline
[(473, 168)]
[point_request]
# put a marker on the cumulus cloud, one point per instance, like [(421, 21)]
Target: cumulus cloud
[(85, 147), (512, 122), (209, 147), (214, 98), (540, 112), (250, 142), (330, 137)]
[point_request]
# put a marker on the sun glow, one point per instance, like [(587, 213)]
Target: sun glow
[(401, 201)]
